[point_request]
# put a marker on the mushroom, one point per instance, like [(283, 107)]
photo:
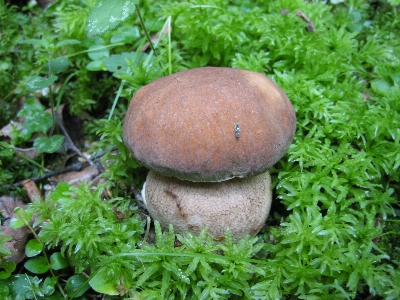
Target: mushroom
[(206, 134)]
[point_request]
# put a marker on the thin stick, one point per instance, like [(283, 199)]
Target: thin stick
[(74, 167), (310, 25), (72, 145)]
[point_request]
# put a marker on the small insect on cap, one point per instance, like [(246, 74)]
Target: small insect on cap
[(209, 124)]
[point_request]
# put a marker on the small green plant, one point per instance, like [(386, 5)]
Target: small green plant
[(6, 267), (121, 167), (83, 229), (36, 120)]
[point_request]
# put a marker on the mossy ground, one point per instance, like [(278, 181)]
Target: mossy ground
[(333, 230)]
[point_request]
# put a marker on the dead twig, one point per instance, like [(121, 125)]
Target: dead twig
[(72, 145), (32, 190), (74, 167), (310, 25)]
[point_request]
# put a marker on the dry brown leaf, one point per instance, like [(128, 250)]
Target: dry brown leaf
[(19, 235), (87, 174)]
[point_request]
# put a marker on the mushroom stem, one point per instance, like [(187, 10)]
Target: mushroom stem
[(241, 205)]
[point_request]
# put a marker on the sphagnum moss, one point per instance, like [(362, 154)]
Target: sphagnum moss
[(339, 181)]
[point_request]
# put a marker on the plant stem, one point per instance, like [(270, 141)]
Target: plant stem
[(116, 99), (144, 29), (26, 158), (169, 46), (51, 95)]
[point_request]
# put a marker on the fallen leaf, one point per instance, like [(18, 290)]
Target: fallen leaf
[(19, 235), (75, 177)]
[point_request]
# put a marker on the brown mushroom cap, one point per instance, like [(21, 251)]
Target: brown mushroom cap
[(241, 205), (209, 124)]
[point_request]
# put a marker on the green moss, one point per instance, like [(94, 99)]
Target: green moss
[(336, 189)]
